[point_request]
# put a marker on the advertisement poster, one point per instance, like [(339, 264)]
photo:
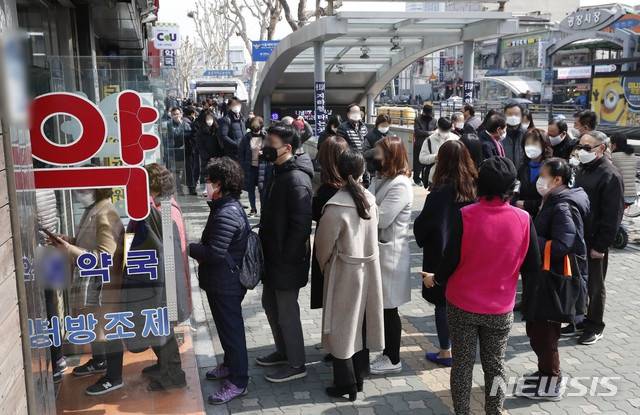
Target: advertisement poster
[(616, 100)]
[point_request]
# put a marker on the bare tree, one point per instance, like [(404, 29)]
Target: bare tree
[(213, 30), (303, 15), (187, 61)]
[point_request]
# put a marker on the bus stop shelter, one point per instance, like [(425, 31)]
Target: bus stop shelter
[(352, 56)]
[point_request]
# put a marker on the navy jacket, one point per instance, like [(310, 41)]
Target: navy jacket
[(224, 235), (489, 146), (285, 224), (560, 220), (231, 132)]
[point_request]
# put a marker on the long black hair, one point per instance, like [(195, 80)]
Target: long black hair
[(350, 168)]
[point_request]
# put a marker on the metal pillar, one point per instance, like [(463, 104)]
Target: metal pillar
[(467, 70), (319, 87), (371, 108), (266, 110)]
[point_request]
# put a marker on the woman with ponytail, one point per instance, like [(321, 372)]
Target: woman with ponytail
[(393, 190), (346, 246)]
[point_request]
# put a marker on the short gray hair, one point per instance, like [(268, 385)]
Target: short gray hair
[(599, 136), (456, 115), (287, 120)]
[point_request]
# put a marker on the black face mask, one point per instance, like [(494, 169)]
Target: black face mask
[(377, 164), (270, 154)]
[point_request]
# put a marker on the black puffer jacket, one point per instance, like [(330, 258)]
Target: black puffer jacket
[(564, 149), (231, 132), (528, 192), (603, 184), (208, 142), (561, 221), (368, 148), (222, 247), (285, 224)]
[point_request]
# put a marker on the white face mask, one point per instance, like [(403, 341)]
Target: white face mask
[(503, 135), (555, 139), (513, 120), (532, 151), (209, 122), (86, 199), (586, 157), (542, 186), (236, 109), (574, 162), (355, 116), (525, 125), (383, 130), (459, 125), (334, 129)]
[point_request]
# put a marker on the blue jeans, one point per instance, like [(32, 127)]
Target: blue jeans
[(442, 327)]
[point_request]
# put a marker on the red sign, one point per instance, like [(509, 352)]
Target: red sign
[(131, 115)]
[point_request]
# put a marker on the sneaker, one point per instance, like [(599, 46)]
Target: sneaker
[(382, 365), (103, 386), (227, 392), (220, 372), (272, 359), (61, 364), (588, 338), (90, 368), (252, 213), (554, 390), (157, 386), (571, 330), (286, 374), (57, 377), (532, 378)]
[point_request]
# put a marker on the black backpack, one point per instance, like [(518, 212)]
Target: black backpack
[(251, 270)]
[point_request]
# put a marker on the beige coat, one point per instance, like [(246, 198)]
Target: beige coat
[(346, 247), (100, 230)]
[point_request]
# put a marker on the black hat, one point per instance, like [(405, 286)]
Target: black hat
[(497, 176)]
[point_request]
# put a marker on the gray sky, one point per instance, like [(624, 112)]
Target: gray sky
[(175, 11)]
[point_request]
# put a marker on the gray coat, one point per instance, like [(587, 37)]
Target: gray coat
[(346, 247), (394, 197)]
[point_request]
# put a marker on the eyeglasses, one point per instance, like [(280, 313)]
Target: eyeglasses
[(587, 147)]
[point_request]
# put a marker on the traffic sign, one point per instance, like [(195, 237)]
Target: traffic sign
[(261, 49)]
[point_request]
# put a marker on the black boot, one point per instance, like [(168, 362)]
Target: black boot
[(340, 391)]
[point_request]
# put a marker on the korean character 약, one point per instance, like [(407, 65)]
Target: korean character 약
[(90, 266)]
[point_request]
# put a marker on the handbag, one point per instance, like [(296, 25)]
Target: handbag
[(557, 292)]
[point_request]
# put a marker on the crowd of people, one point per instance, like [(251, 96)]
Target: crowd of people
[(548, 202)]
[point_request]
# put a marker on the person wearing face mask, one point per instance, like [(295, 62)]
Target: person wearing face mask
[(423, 126), (353, 129), (467, 136), (222, 246), (457, 119), (383, 122), (249, 158), (561, 222), (429, 151), (512, 142), (527, 120), (179, 133), (393, 191), (536, 149), (603, 184), (100, 231), (330, 129), (585, 121), (285, 229), (232, 129), (208, 143), (495, 129), (560, 140)]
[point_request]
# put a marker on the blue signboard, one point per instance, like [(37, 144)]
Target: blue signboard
[(218, 73), (261, 49), (320, 110)]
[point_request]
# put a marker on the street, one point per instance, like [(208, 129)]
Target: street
[(422, 387)]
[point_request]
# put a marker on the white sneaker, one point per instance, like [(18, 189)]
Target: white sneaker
[(382, 365)]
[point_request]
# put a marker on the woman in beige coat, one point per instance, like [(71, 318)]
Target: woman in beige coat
[(346, 246), (100, 231)]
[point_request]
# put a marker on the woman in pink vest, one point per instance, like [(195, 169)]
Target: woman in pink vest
[(491, 243)]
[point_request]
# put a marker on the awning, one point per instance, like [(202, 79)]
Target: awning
[(517, 84)]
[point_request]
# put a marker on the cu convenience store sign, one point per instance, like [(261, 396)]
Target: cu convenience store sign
[(67, 159)]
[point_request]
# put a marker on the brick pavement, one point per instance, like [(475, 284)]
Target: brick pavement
[(423, 388)]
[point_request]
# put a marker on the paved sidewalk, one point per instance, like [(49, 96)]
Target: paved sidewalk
[(423, 388)]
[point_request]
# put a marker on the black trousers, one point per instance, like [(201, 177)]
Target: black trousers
[(392, 334), (543, 337), (169, 362), (192, 168), (227, 314), (417, 166), (112, 352), (597, 293)]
